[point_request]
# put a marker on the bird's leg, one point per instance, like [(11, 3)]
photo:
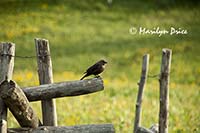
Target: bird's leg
[(97, 76)]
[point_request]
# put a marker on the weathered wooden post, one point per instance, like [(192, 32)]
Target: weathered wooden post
[(7, 53), (45, 77), (164, 90), (141, 84), (18, 104), (64, 89)]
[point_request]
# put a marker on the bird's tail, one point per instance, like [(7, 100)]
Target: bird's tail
[(84, 77)]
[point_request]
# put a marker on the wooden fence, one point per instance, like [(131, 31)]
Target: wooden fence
[(164, 77), (17, 99)]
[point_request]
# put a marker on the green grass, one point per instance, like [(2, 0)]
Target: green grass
[(82, 32)]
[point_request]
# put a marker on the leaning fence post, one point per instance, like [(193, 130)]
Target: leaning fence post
[(46, 76), (141, 84), (164, 90), (15, 99), (7, 51)]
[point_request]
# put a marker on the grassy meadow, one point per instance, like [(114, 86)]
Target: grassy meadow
[(82, 32)]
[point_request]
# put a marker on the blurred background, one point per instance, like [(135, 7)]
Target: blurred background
[(85, 31)]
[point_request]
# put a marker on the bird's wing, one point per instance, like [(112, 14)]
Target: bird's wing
[(92, 68)]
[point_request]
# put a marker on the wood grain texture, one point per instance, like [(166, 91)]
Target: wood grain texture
[(7, 51), (164, 90), (45, 77), (64, 89), (141, 84), (16, 101), (98, 128)]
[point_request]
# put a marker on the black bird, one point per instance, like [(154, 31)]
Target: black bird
[(95, 69)]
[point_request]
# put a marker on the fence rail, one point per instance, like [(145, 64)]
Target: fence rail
[(64, 89), (93, 128)]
